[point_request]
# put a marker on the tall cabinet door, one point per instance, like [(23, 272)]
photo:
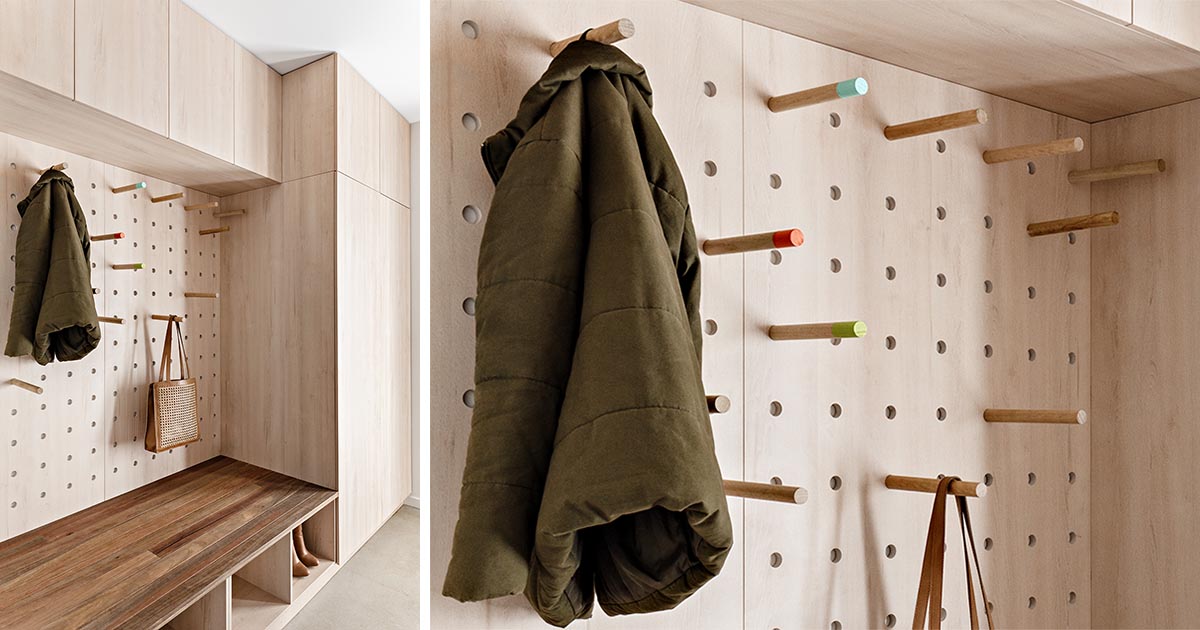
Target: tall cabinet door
[(121, 59), (202, 79), (36, 42)]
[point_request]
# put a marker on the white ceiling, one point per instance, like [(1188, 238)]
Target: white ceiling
[(380, 38)]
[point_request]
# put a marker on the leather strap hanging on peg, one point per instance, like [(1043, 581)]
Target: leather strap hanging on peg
[(929, 591)]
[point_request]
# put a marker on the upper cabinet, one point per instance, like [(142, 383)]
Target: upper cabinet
[(358, 126), (202, 77), (394, 157), (257, 115), (310, 129), (37, 42), (1176, 20), (121, 59)]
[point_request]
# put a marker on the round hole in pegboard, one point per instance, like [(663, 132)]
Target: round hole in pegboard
[(710, 89), (1032, 478), (941, 279), (1070, 297), (776, 257), (1032, 168), (835, 625), (835, 555), (470, 29), (1072, 537), (775, 181), (987, 286), (1071, 597), (889, 342), (776, 481), (987, 544), (889, 203), (988, 479), (941, 213), (710, 168), (987, 222), (1071, 238), (835, 483), (889, 412), (835, 410), (470, 122), (835, 120), (471, 214), (889, 621), (835, 193), (1032, 292), (468, 306), (941, 414), (835, 265), (941, 347), (890, 273), (468, 398), (776, 560), (776, 408), (1032, 541), (1071, 358), (1032, 354), (1032, 603), (941, 146), (1070, 476), (889, 551)]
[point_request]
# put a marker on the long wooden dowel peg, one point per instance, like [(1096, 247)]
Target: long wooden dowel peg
[(111, 320), (169, 197), (198, 294), (129, 266), (130, 188), (610, 33), (753, 242), (167, 318), (29, 387), (1082, 222), (1133, 169), (229, 213), (935, 124), (61, 166), (718, 404), (766, 492), (109, 237), (223, 228), (1028, 151), (812, 96), (202, 206), (926, 484), (831, 330), (1036, 416)]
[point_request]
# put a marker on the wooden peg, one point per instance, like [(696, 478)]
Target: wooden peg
[(1036, 416), (169, 197), (935, 124), (167, 318), (925, 484), (610, 33), (130, 188), (1028, 151), (111, 320), (198, 294), (812, 96), (753, 242), (1133, 169), (718, 404), (202, 206), (766, 492), (62, 166), (29, 387), (1082, 222), (129, 266), (229, 213), (223, 228), (832, 330), (109, 237)]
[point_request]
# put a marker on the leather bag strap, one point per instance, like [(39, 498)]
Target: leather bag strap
[(185, 370), (164, 366), (968, 536), (929, 591)]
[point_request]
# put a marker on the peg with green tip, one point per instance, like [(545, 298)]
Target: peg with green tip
[(832, 92), (831, 330), (130, 188)]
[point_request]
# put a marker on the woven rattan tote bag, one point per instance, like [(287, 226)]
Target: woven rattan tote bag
[(174, 418)]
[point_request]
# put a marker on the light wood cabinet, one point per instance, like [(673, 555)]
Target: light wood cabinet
[(1175, 20), (1120, 10), (121, 59), (257, 115), (358, 126), (37, 40), (394, 154), (310, 133), (201, 78)]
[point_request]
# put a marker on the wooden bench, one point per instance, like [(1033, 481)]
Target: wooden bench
[(169, 551)]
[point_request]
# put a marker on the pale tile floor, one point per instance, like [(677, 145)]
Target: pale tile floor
[(378, 588)]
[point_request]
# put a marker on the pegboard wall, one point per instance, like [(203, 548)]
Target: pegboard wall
[(81, 441), (919, 238)]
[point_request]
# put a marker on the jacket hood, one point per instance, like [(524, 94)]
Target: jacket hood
[(47, 177), (569, 65)]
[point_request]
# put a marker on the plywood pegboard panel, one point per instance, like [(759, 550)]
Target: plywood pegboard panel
[(82, 440), (775, 171)]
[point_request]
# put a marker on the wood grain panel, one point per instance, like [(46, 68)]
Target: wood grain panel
[(358, 126), (202, 72), (121, 60), (258, 115), (395, 154), (210, 612), (1052, 55), (310, 119), (37, 43), (1144, 295), (1176, 21), (373, 394)]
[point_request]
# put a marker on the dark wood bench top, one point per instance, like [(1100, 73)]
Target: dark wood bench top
[(139, 559)]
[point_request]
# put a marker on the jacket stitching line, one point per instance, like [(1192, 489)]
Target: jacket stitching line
[(503, 377), (627, 308), (622, 410), (538, 280), (496, 483)]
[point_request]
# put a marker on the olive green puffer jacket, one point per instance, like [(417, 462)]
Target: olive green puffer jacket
[(590, 469), (53, 312)]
